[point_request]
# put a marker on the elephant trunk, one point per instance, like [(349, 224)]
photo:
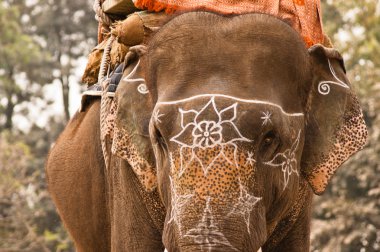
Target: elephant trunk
[(209, 226), (213, 202)]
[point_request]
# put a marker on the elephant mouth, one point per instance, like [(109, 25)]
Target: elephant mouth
[(166, 250), (212, 240)]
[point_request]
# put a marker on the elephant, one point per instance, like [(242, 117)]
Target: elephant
[(224, 128)]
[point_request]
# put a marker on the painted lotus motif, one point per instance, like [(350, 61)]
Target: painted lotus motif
[(209, 127), (207, 134), (287, 161)]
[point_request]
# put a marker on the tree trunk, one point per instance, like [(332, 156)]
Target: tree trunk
[(9, 109), (65, 96)]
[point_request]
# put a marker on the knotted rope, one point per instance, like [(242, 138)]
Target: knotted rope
[(106, 102), (106, 60), (105, 20), (105, 23), (100, 15)]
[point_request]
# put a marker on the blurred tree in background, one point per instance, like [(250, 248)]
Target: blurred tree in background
[(347, 216), (41, 42), (69, 29), (21, 74), (28, 221)]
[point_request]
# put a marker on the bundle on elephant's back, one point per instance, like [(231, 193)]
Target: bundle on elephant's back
[(138, 27), (134, 30), (91, 72)]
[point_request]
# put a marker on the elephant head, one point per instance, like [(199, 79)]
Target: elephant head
[(242, 117)]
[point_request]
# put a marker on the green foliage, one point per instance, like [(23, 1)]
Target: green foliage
[(20, 57), (35, 40), (69, 31), (28, 221), (40, 42), (17, 47)]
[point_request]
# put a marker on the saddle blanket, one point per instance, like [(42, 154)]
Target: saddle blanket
[(303, 15)]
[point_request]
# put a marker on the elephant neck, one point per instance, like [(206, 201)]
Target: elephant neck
[(299, 211)]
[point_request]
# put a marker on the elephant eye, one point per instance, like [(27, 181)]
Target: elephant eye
[(269, 138), (269, 145)]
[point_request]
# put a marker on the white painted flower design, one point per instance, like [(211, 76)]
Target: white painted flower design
[(207, 134), (178, 203), (157, 115), (208, 128), (266, 117), (244, 205), (208, 124), (287, 161)]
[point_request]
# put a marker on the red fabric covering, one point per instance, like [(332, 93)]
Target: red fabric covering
[(303, 15)]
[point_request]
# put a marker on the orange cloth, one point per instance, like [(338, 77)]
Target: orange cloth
[(303, 15)]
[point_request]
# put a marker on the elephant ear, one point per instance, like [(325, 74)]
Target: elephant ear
[(131, 140), (335, 127)]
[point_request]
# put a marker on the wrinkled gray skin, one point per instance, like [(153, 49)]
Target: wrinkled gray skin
[(259, 65), (228, 98)]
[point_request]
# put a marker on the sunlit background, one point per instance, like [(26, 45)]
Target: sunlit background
[(43, 50)]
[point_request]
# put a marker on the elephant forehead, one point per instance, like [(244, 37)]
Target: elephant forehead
[(225, 99), (207, 120)]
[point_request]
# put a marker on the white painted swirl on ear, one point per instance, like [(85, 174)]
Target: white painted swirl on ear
[(142, 88), (324, 86)]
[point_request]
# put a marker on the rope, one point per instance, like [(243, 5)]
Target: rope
[(105, 22), (106, 102), (101, 16), (106, 60), (105, 106)]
